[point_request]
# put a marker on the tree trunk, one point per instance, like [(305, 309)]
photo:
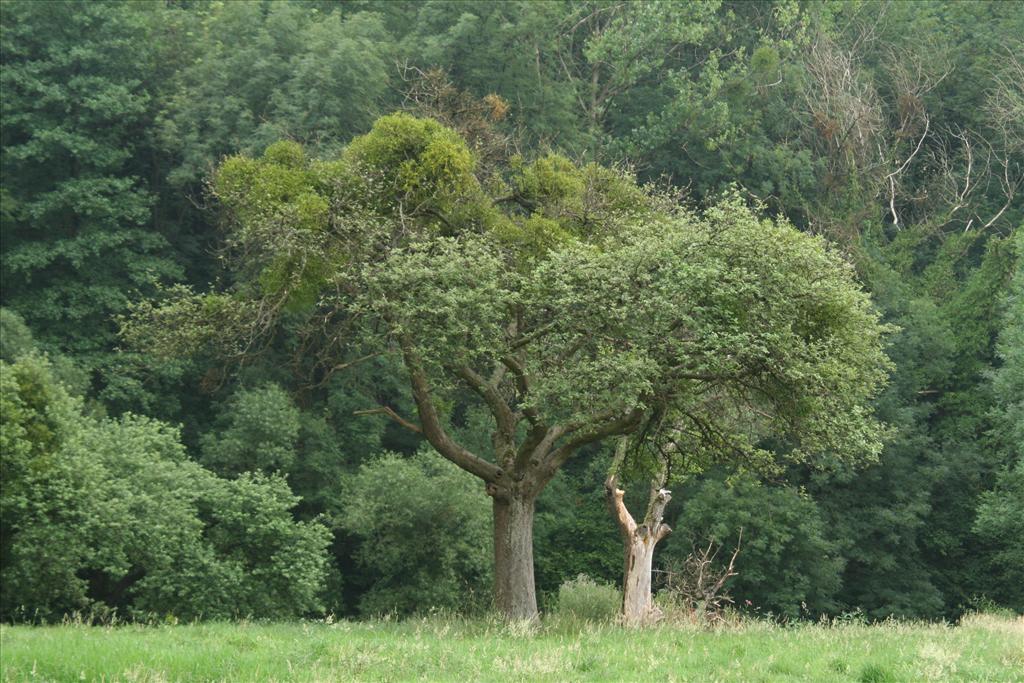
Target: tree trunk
[(515, 594), (637, 602), (639, 540)]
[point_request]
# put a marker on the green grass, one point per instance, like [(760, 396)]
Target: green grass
[(981, 648)]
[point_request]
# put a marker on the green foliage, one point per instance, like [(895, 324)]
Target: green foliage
[(37, 416), (454, 295), (259, 72), (76, 246), (574, 534), (750, 295), (638, 306), (470, 38), (111, 514), (408, 161), (879, 518), (1008, 377), (999, 521), (15, 337), (182, 323), (423, 534), (878, 514), (257, 432), (253, 560), (116, 116), (964, 407), (738, 286), (1000, 513), (563, 203), (281, 204), (584, 600), (261, 431), (788, 563), (16, 340)]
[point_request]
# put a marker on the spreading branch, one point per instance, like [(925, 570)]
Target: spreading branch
[(385, 410), (432, 427), (624, 424), (503, 415)]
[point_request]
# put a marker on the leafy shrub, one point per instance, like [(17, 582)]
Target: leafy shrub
[(787, 565), (586, 600), (256, 431), (260, 429), (102, 514), (424, 536)]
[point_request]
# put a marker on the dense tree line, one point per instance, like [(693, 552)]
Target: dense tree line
[(893, 130)]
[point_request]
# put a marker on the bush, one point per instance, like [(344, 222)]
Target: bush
[(257, 431), (787, 565), (583, 599), (1000, 518), (101, 514), (424, 535)]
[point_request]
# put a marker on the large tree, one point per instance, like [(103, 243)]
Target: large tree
[(76, 212), (567, 301)]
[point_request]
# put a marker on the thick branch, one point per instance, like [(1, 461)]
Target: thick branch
[(385, 410), (540, 440), (522, 386), (504, 419), (432, 427), (613, 496), (622, 425), (656, 512), (503, 415), (656, 503)]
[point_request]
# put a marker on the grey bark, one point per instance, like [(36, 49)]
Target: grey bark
[(515, 593), (639, 541)]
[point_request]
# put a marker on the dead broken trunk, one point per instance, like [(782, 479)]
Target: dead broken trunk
[(639, 540), (515, 594)]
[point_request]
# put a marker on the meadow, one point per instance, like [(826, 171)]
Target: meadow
[(979, 648)]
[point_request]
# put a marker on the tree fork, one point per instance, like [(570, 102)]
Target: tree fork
[(639, 542)]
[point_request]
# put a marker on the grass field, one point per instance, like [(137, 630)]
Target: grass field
[(981, 648)]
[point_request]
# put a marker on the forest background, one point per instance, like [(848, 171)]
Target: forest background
[(142, 484)]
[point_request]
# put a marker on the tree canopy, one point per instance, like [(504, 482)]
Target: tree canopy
[(570, 302)]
